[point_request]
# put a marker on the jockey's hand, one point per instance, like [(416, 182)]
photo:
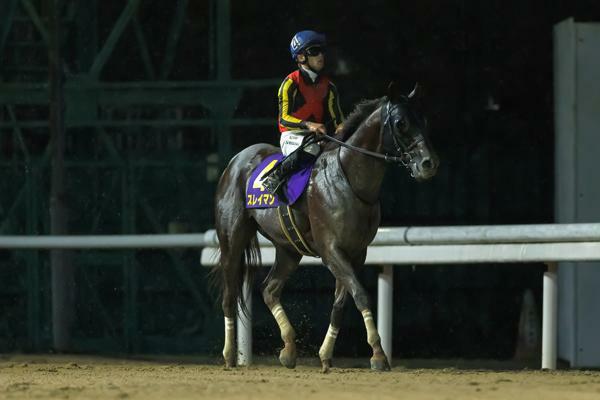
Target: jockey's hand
[(316, 127), (339, 128)]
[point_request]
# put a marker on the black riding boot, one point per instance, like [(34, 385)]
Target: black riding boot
[(274, 181)]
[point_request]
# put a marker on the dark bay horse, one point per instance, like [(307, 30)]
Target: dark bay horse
[(338, 215)]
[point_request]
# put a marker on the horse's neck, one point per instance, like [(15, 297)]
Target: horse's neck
[(365, 173)]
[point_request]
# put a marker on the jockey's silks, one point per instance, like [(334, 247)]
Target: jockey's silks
[(302, 100)]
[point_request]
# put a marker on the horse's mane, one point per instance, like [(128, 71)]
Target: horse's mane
[(361, 111)]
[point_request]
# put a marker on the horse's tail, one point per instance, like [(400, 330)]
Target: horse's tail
[(246, 271), (251, 261)]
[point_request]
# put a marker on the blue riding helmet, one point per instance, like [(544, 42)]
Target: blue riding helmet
[(304, 39)]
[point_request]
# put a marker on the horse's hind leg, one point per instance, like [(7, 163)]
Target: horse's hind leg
[(233, 240), (326, 350), (229, 304), (285, 263)]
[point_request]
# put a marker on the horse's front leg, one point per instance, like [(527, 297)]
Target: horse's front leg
[(344, 272), (285, 263), (326, 350)]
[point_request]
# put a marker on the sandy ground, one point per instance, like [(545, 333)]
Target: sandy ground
[(79, 377)]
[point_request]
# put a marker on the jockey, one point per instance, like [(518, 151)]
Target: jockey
[(308, 102)]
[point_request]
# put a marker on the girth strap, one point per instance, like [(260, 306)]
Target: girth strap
[(291, 231)]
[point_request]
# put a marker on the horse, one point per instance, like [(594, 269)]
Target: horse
[(338, 215)]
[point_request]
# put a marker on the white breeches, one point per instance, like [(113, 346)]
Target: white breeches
[(291, 140)]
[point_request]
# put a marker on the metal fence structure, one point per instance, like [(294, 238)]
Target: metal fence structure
[(398, 246), (394, 246)]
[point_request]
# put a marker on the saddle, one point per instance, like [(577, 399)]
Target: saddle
[(258, 197)]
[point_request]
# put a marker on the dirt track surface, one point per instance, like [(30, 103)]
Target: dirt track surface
[(65, 377)]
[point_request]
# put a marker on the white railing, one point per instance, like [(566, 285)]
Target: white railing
[(549, 243), (397, 246), (106, 242)]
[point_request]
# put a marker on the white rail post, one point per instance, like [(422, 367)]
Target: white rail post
[(244, 329), (385, 304), (549, 317)]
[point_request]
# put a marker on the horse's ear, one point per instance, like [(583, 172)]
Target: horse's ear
[(393, 91), (416, 92)]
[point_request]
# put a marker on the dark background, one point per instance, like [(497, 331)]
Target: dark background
[(486, 68)]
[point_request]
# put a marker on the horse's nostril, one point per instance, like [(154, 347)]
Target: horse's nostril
[(426, 164)]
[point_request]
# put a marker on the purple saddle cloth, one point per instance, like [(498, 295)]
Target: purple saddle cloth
[(258, 197)]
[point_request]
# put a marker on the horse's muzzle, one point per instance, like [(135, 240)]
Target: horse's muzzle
[(425, 168)]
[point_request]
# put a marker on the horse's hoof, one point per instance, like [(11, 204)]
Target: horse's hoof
[(287, 358), (326, 365), (380, 363), (230, 363)]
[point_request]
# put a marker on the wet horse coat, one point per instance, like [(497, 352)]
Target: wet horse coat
[(338, 215)]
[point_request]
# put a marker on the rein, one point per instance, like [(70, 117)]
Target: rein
[(385, 157), (404, 159)]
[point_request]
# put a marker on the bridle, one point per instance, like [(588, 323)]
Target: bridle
[(402, 152), (400, 146)]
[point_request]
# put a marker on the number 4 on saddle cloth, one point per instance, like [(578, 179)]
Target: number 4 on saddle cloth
[(258, 197)]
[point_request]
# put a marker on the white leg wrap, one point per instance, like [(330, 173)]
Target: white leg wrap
[(372, 335), (326, 350), (229, 337), (287, 331)]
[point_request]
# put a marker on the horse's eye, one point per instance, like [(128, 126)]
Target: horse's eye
[(402, 125)]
